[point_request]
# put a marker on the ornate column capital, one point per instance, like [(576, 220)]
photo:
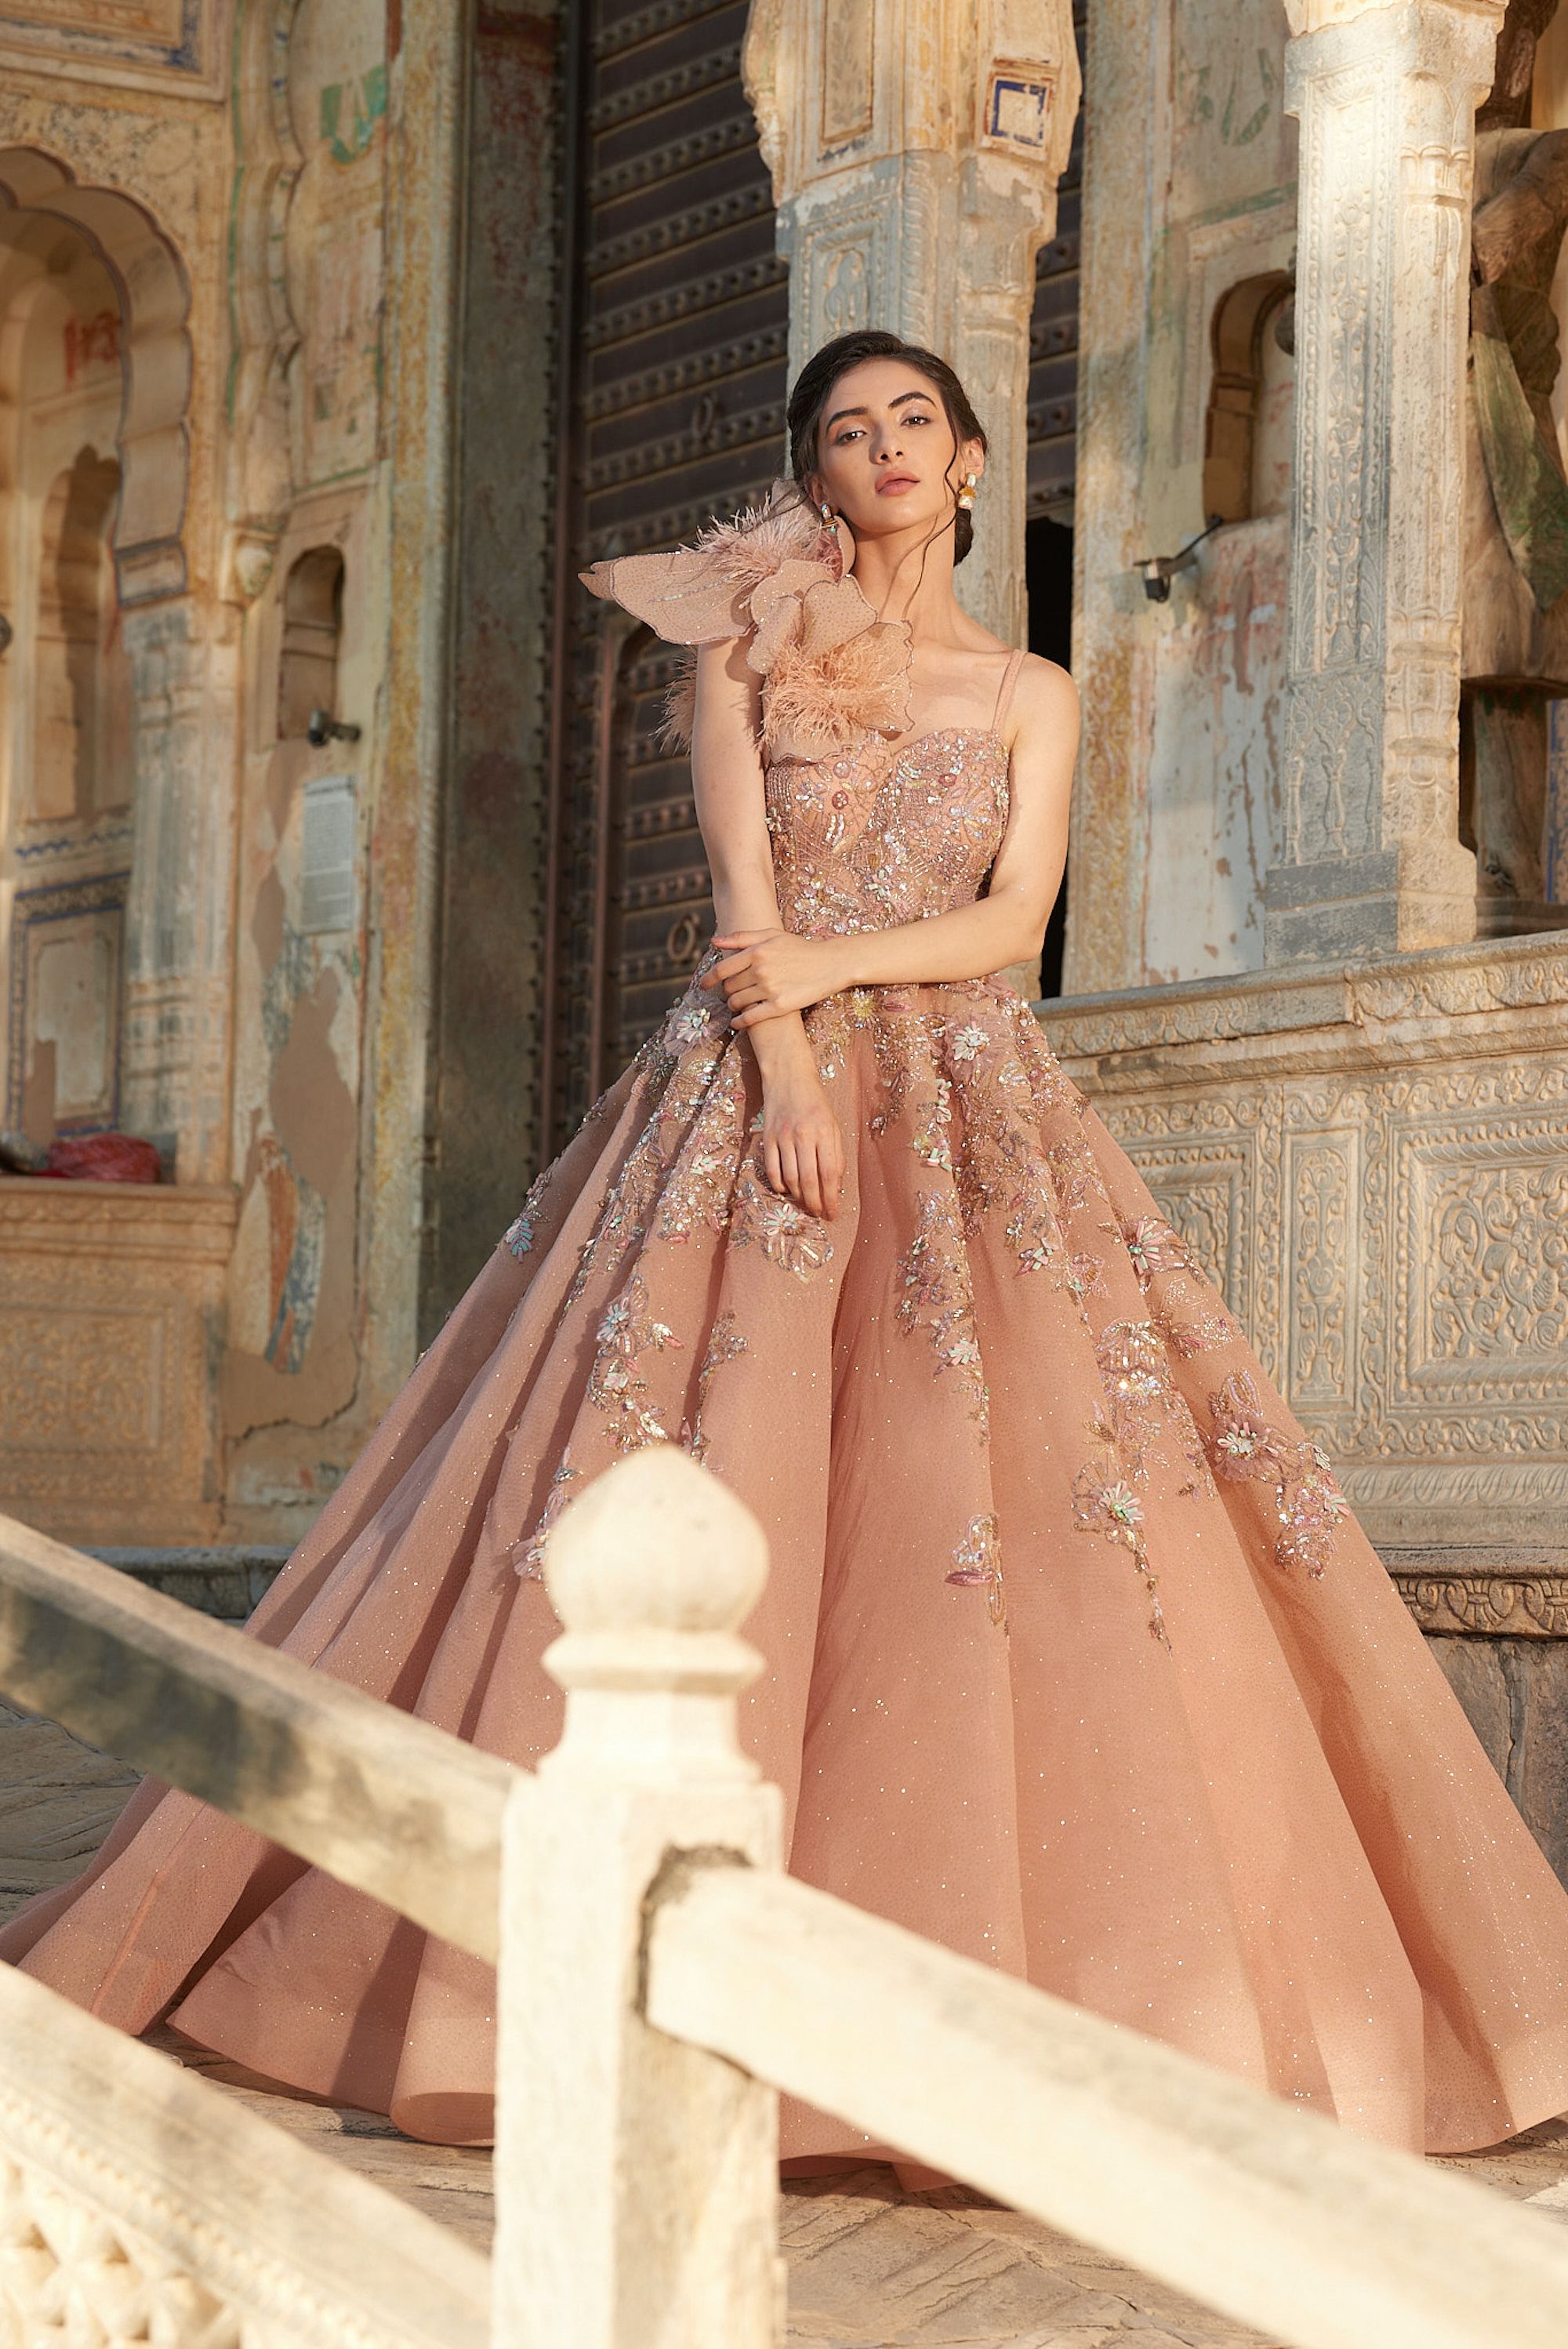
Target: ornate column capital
[(1386, 97), (915, 147)]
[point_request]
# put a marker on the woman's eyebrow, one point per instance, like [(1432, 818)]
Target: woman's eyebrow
[(839, 413)]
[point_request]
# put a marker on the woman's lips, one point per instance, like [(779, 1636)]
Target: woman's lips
[(896, 482)]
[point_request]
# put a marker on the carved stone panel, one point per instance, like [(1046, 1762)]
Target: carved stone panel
[(109, 1296), (172, 45), (1398, 1248), (1322, 1192), (1486, 1294)]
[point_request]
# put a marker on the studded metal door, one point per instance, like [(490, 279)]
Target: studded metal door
[(674, 327)]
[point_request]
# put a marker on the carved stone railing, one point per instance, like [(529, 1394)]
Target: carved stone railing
[(660, 1979)]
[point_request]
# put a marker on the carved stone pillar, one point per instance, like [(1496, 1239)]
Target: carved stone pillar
[(1386, 97), (915, 147), (179, 945)]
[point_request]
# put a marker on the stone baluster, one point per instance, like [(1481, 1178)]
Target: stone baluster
[(915, 147), (1386, 97), (636, 2177)]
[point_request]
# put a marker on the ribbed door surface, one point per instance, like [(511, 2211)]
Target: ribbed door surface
[(675, 412)]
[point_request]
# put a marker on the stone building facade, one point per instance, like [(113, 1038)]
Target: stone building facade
[(224, 516), (335, 858)]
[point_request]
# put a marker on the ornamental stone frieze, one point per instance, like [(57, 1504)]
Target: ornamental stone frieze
[(915, 147), (1371, 860)]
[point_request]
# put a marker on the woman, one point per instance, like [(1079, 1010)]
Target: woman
[(1076, 1659)]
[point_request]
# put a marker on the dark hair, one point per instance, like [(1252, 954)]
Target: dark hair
[(814, 384)]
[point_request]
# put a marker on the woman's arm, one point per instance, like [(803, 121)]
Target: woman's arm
[(802, 1148), (778, 975)]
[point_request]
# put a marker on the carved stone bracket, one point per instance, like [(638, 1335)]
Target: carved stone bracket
[(915, 147), (1386, 98)]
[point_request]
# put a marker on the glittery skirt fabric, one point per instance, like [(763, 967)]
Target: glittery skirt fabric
[(1076, 1659)]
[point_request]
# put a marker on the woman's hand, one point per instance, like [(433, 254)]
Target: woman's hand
[(775, 971), (802, 1146)]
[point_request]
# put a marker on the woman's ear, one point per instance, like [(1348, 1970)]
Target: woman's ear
[(972, 459)]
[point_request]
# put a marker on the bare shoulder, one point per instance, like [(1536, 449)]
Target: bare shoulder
[(1045, 706)]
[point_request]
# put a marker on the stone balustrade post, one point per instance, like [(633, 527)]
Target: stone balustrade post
[(915, 147), (1385, 95), (636, 2177)]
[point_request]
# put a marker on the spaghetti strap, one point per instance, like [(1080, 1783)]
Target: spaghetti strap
[(1004, 691)]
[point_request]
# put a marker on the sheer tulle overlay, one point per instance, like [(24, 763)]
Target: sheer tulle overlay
[(1076, 1659)]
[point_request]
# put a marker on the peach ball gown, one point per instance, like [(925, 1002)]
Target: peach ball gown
[(1076, 1661)]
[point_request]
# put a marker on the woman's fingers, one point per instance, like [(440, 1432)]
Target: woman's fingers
[(723, 972), (771, 1165), (833, 1177)]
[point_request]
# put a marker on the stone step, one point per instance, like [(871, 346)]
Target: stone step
[(226, 1582)]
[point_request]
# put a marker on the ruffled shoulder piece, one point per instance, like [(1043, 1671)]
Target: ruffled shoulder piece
[(832, 673)]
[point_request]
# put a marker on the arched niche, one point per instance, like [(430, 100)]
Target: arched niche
[(312, 629), (78, 765), (1247, 432), (154, 349)]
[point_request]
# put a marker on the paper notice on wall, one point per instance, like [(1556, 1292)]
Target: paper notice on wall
[(328, 854)]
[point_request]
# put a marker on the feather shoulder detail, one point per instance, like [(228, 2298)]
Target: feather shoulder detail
[(832, 671)]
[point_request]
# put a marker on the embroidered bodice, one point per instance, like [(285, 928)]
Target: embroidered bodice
[(871, 825), (885, 833)]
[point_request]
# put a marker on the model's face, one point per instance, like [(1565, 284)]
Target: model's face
[(886, 459)]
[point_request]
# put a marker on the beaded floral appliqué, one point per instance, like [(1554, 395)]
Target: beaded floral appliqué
[(766, 1220), (528, 1558), (935, 1296), (725, 1344), (1108, 1505), (978, 1560), (521, 1235), (616, 1383), (1247, 1445)]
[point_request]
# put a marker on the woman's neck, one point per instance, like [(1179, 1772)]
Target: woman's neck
[(908, 575)]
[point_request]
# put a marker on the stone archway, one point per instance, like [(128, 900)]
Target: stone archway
[(156, 362)]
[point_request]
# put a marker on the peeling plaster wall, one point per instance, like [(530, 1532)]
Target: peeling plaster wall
[(1188, 187), (294, 1402), (1213, 806)]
